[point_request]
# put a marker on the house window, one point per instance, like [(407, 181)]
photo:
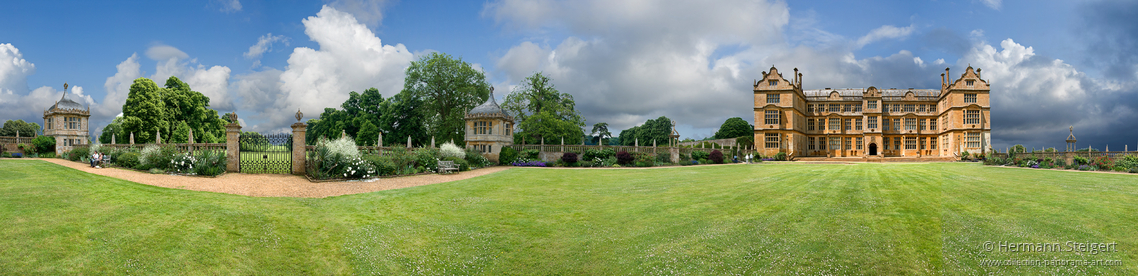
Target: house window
[(921, 108), (809, 124), (821, 124), (932, 108), (969, 98), (771, 117), (835, 124), (47, 124), (910, 108), (969, 83), (846, 108), (896, 108), (857, 124), (490, 128), (849, 126), (910, 143), (772, 140), (972, 140), (897, 124), (857, 108), (872, 105), (859, 143), (921, 124), (885, 124), (821, 143), (810, 142), (872, 123), (972, 117), (896, 143), (932, 142), (910, 123), (835, 107), (886, 142), (810, 108), (772, 83), (835, 143), (849, 143), (772, 98), (932, 124), (922, 140)]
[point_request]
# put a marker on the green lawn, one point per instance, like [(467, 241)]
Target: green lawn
[(742, 219)]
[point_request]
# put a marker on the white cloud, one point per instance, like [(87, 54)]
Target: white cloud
[(265, 43), (350, 58), (229, 6), (368, 12), (165, 52), (16, 100), (661, 56), (884, 32), (994, 4), (1038, 98), (118, 87)]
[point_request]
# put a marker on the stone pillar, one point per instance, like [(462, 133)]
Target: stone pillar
[(298, 147), (432, 141), (112, 138), (380, 142), (158, 137), (132, 138), (232, 155), (408, 141), (191, 136)]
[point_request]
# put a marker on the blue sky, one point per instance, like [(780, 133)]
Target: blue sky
[(1052, 63)]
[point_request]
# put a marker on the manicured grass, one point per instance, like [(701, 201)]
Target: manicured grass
[(741, 219)]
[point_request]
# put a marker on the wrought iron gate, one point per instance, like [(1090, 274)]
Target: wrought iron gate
[(271, 153)]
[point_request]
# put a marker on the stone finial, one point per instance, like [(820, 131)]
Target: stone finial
[(432, 141), (380, 142), (191, 136), (343, 133), (232, 117), (158, 137), (299, 115), (132, 138), (408, 141), (113, 138)]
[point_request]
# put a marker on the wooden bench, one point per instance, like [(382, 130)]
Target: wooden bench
[(447, 166)]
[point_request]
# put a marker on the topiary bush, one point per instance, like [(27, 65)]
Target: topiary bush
[(44, 144), (127, 159), (569, 158), (78, 154), (507, 155), (780, 156), (699, 154), (716, 156), (624, 158), (474, 158)]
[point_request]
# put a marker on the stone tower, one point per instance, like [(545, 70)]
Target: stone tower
[(67, 121), (489, 128)]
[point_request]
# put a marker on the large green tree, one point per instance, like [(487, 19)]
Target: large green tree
[(114, 129), (402, 118), (150, 109), (25, 129), (448, 88), (144, 113), (354, 113), (543, 112), (734, 128), (601, 132), (652, 130)]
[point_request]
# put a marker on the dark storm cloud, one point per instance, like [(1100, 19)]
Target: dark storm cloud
[(1111, 31), (946, 40)]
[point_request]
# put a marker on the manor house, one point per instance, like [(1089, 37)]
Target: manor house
[(871, 122)]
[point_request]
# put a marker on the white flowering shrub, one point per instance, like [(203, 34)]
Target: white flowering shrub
[(147, 155), (95, 148), (183, 163), (358, 168), (450, 150)]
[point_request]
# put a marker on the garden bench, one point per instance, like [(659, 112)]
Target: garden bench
[(447, 166)]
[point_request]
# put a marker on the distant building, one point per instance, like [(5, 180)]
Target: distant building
[(872, 122), (489, 128), (67, 121)]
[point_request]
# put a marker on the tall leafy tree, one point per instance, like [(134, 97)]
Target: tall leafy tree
[(601, 132), (733, 128), (448, 88), (144, 112), (403, 117), (114, 129), (25, 129), (543, 112), (368, 134), (652, 130), (359, 109)]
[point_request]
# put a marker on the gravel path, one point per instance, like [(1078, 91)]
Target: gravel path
[(272, 185)]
